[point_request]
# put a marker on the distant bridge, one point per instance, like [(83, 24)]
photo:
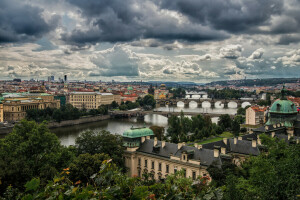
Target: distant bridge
[(141, 114), (223, 103)]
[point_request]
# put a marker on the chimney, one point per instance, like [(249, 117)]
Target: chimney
[(234, 140), (240, 138), (199, 146), (216, 153), (179, 145), (143, 139), (148, 137), (163, 144), (273, 134), (225, 140), (155, 141), (259, 141), (223, 150), (253, 143)]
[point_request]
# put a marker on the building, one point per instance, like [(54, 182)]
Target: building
[(145, 154), (1, 112), (161, 92), (14, 105), (92, 100), (255, 115)]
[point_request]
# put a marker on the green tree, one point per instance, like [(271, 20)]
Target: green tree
[(225, 121), (158, 131), (114, 105), (98, 142), (31, 150)]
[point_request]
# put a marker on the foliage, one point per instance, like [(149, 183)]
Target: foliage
[(178, 93), (228, 93), (111, 183), (114, 105), (225, 121), (147, 102), (65, 112), (98, 142), (272, 175), (128, 105), (30, 151), (158, 131)]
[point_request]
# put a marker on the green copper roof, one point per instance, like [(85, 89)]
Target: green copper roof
[(137, 132), (284, 107), (129, 88)]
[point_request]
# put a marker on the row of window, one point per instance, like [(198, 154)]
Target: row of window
[(167, 168)]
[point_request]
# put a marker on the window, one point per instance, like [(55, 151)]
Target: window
[(183, 157), (167, 168), (194, 175), (152, 165), (139, 161), (175, 169), (159, 166), (139, 173), (146, 163), (184, 172)]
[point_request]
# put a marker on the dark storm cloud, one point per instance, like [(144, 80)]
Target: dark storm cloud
[(288, 39), (232, 16), (120, 21), (22, 22)]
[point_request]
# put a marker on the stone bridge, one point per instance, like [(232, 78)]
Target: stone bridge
[(140, 114), (222, 103)]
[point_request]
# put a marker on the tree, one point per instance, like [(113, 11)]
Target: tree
[(31, 150), (241, 111), (235, 127), (158, 131), (98, 142), (225, 121), (114, 105), (148, 102), (85, 165)]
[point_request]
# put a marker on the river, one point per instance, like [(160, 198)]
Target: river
[(67, 135)]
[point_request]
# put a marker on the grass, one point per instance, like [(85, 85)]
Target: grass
[(218, 138)]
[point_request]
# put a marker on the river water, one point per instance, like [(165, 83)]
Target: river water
[(67, 135)]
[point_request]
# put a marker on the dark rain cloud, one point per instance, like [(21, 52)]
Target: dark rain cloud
[(20, 22), (232, 16), (121, 21)]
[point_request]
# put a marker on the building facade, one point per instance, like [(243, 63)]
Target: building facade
[(15, 105), (1, 112), (92, 100), (255, 115)]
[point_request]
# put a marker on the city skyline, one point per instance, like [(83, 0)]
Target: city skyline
[(170, 40)]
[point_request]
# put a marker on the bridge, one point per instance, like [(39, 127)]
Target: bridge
[(140, 114), (222, 103)]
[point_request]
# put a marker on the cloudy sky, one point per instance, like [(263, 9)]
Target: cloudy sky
[(174, 40)]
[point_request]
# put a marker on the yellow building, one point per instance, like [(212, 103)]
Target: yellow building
[(14, 105), (255, 115), (1, 112), (92, 100)]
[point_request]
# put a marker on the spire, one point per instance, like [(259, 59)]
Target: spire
[(283, 91)]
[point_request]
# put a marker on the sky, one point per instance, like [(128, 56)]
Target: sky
[(150, 40)]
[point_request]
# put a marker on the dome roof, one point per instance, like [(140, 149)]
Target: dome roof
[(283, 107), (137, 132), (129, 88)]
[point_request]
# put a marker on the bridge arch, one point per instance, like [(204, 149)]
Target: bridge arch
[(219, 104), (180, 104), (206, 104), (193, 104), (232, 104), (246, 103)]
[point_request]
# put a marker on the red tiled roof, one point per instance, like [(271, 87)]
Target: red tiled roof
[(259, 109)]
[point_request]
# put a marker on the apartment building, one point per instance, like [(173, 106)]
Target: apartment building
[(1, 112), (92, 100), (255, 115)]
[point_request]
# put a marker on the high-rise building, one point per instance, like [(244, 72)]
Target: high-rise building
[(52, 78), (65, 78)]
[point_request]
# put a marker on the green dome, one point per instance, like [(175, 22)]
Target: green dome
[(283, 107), (137, 132), (129, 88)]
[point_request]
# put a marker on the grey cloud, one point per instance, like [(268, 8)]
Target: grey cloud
[(257, 54), (167, 71), (20, 22), (231, 51), (122, 21), (288, 39), (233, 16)]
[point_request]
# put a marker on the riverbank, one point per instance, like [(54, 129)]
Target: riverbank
[(66, 123)]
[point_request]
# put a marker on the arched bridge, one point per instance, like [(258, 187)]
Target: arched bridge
[(208, 103), (141, 114)]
